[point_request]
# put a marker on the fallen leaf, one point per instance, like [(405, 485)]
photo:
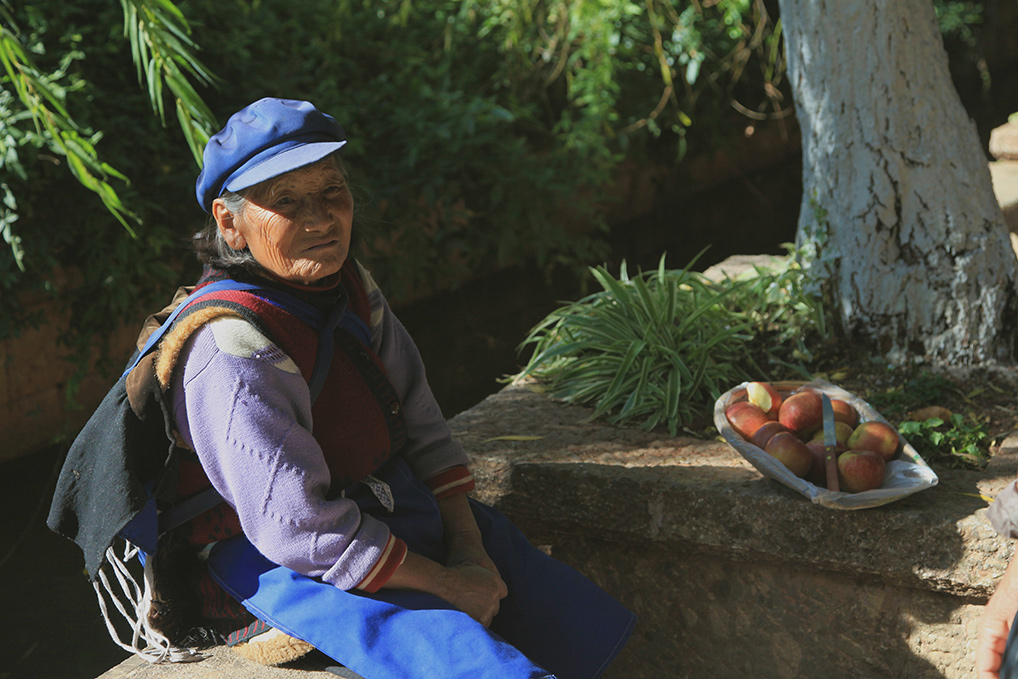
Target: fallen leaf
[(513, 438), (926, 413)]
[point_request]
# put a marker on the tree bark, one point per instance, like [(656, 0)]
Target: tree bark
[(898, 207)]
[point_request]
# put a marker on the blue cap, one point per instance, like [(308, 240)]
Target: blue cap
[(264, 140)]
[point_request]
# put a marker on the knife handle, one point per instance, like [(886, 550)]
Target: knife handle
[(831, 465)]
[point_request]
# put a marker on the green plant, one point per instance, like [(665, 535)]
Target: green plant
[(787, 315), (913, 392), (661, 347), (34, 111), (957, 442), (482, 133)]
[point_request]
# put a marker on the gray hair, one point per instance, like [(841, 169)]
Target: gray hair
[(213, 250)]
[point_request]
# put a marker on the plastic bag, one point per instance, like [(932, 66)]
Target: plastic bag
[(908, 473)]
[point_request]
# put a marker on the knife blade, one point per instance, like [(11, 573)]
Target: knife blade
[(830, 444)]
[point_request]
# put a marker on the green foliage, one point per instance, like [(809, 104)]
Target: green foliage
[(654, 76), (68, 73), (916, 391), (482, 132), (661, 347), (959, 20), (787, 315), (957, 443), (40, 99), (163, 52)]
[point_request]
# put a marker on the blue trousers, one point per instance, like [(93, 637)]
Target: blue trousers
[(553, 623)]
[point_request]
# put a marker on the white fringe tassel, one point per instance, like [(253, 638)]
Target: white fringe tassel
[(157, 648)]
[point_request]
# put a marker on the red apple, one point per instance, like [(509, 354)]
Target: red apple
[(818, 472), (843, 412), (766, 396), (746, 418), (764, 433), (789, 450), (842, 432), (877, 436), (860, 470), (802, 412)]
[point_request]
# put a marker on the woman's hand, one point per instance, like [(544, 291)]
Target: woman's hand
[(995, 624), (482, 584), (462, 536), (469, 579), (475, 590)]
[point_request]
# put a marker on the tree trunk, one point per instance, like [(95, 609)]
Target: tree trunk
[(897, 206)]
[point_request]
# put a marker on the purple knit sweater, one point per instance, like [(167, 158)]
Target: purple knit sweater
[(241, 403)]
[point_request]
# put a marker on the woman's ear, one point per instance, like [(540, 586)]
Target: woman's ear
[(226, 221)]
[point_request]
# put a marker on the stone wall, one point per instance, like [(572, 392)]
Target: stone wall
[(732, 574), (36, 407)]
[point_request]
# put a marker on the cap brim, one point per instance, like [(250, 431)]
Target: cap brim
[(256, 170)]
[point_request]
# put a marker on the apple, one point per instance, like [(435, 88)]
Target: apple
[(844, 412), (818, 472), (746, 418), (877, 436), (802, 412), (842, 432), (766, 396), (860, 470), (789, 450), (764, 433)]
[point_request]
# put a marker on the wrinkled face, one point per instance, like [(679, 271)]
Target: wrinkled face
[(296, 225)]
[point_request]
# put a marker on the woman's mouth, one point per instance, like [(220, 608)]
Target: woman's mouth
[(321, 245)]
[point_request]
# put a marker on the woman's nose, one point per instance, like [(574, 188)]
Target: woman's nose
[(314, 214)]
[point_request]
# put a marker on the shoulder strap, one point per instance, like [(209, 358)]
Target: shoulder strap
[(153, 340), (326, 325)]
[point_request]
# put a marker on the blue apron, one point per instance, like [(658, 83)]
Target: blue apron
[(553, 623)]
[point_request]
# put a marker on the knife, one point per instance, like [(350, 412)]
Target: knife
[(830, 445)]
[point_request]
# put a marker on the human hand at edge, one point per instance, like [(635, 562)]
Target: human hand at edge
[(995, 625)]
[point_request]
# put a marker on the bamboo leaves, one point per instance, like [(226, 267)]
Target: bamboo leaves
[(163, 53), (34, 110), (43, 100), (659, 348)]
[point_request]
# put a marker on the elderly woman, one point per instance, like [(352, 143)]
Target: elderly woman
[(302, 401)]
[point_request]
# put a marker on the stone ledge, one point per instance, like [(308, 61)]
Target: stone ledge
[(733, 574), (589, 477)]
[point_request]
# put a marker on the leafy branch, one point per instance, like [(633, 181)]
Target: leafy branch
[(44, 101), (163, 52)]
